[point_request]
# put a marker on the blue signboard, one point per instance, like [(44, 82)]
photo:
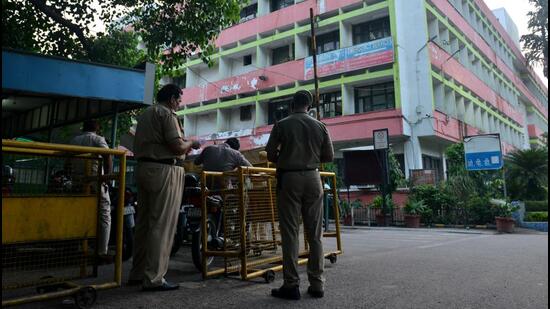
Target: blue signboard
[(355, 57), (483, 152)]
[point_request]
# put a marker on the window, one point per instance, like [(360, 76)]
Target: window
[(249, 12), (280, 4), (246, 112), (330, 104), (371, 30), (433, 163), (282, 54), (278, 109), (326, 42), (374, 97), (247, 60)]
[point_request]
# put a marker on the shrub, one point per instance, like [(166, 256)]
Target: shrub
[(480, 210), (539, 216), (377, 203), (536, 206), (504, 209), (437, 200), (415, 207)]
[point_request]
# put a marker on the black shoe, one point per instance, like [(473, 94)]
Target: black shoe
[(286, 293), (133, 282), (164, 287), (315, 294)]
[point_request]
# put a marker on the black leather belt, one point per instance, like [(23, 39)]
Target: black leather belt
[(174, 161)]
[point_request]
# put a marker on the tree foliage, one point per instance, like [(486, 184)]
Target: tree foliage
[(527, 174), (171, 30), (536, 43)]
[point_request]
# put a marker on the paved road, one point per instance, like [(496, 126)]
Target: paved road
[(381, 268)]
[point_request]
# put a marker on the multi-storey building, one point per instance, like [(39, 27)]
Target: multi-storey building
[(431, 71)]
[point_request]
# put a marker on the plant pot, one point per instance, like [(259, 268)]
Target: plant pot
[(412, 221), (505, 224), (383, 220), (347, 220)]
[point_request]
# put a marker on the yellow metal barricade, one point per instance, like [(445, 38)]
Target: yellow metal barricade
[(251, 235), (50, 214)]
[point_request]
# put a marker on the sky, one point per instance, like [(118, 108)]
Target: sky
[(517, 9)]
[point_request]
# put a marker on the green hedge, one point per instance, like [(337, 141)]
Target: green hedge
[(539, 216), (531, 206)]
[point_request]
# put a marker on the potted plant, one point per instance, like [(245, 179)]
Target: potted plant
[(347, 208), (503, 218), (377, 203), (413, 212)]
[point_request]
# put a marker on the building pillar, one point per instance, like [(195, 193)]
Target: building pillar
[(348, 100), (263, 7), (262, 57), (222, 120), (346, 35), (413, 155), (225, 67), (190, 78), (301, 48), (261, 114)]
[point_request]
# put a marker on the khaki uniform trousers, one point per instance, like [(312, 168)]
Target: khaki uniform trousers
[(301, 195), (104, 220), (160, 188)]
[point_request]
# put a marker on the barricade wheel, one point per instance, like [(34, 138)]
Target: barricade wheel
[(332, 258), (269, 276), (86, 297)]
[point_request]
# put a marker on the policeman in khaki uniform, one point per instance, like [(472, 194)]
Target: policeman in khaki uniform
[(90, 138), (298, 144), (159, 148)]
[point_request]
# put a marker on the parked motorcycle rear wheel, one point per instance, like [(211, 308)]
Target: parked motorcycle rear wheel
[(196, 245)]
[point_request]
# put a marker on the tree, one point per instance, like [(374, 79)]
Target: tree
[(527, 173), (171, 30), (536, 43)]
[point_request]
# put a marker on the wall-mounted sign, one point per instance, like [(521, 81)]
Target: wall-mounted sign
[(351, 58), (381, 139), (483, 152)]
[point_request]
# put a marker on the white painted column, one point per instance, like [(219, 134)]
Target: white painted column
[(348, 100), (263, 7), (346, 35), (301, 48), (222, 120), (261, 114), (262, 57), (224, 67)]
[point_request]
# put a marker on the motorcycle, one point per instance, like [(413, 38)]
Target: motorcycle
[(130, 204), (189, 222), (189, 213)]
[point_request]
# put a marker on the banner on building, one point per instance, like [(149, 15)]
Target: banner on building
[(483, 152), (355, 57)]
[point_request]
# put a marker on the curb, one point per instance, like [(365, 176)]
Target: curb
[(461, 226)]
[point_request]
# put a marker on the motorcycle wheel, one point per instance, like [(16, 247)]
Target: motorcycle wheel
[(196, 246), (178, 237)]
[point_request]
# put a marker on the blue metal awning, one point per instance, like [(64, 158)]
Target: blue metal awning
[(40, 92)]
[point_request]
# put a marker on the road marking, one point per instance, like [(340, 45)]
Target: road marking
[(452, 242)]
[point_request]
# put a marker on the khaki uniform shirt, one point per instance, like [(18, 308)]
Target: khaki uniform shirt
[(299, 142), (157, 127), (221, 158), (87, 139)]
